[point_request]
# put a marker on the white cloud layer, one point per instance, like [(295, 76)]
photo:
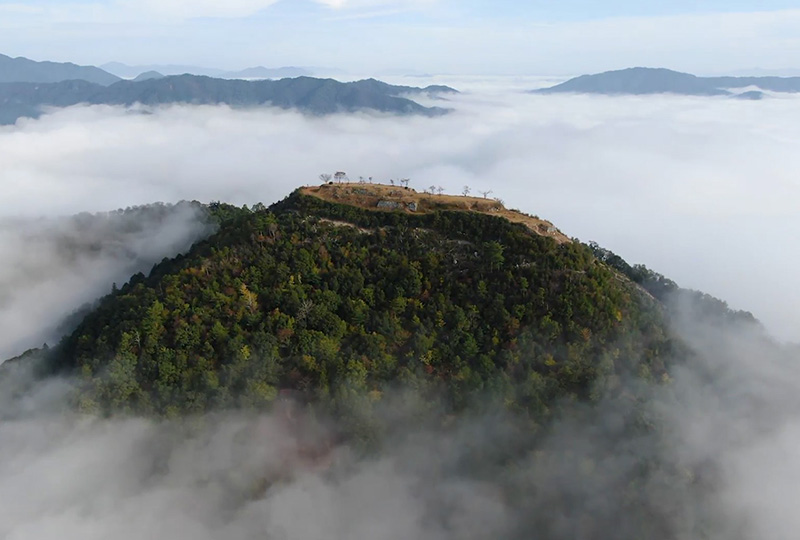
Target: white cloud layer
[(702, 190)]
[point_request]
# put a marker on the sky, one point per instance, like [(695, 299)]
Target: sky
[(413, 36)]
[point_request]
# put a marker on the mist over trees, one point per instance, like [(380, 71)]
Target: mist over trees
[(52, 266)]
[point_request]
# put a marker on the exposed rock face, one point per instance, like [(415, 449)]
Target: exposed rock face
[(388, 205)]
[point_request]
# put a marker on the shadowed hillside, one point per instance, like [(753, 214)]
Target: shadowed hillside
[(315, 96)]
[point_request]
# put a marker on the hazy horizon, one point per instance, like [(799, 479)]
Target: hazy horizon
[(396, 73)]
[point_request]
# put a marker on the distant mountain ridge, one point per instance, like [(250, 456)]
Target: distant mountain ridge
[(316, 96), (256, 72), (644, 81), (14, 70), (126, 71)]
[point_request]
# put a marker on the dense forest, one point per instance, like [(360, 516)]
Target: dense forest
[(341, 304)]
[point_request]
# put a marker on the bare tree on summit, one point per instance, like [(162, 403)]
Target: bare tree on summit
[(466, 191), (486, 193), (325, 178)]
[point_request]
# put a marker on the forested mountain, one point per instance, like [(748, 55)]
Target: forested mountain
[(641, 81), (343, 303), (13, 70), (317, 96), (380, 310)]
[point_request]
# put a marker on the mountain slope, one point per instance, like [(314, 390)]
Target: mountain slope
[(23, 70), (317, 96), (642, 81)]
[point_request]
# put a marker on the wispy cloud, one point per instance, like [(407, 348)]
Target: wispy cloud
[(133, 11), (361, 15), (188, 9), (372, 4)]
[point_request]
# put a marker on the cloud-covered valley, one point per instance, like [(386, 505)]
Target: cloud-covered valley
[(702, 190)]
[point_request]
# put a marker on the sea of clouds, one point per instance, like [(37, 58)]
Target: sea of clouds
[(703, 190)]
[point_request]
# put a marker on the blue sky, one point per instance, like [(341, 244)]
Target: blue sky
[(441, 36), (592, 9)]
